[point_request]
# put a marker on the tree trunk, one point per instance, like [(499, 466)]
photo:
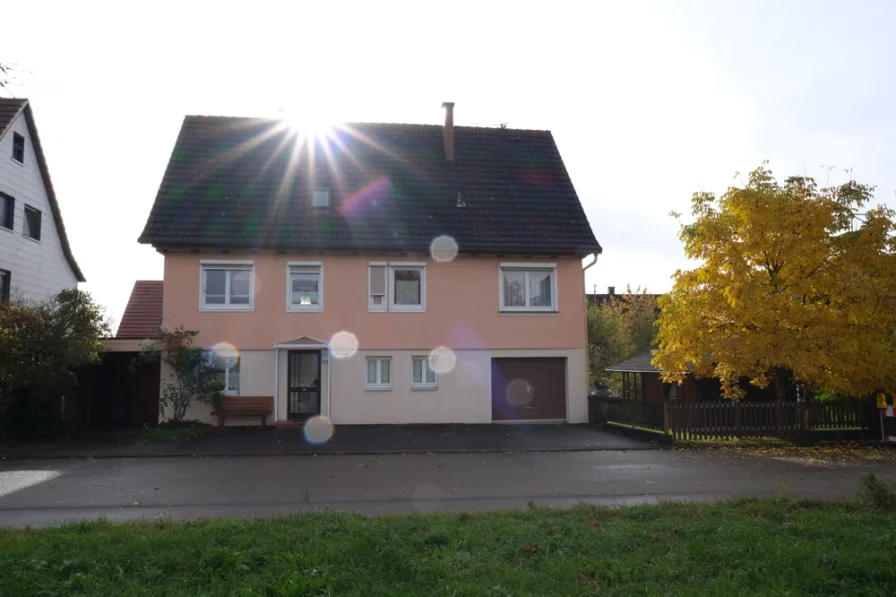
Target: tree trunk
[(783, 383)]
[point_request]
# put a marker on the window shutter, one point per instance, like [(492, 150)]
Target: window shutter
[(377, 279)]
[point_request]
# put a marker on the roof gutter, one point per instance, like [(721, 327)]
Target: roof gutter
[(593, 261)]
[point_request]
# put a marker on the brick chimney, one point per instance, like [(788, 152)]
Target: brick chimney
[(611, 290), (448, 133)]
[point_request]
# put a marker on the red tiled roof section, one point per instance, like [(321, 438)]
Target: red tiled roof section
[(143, 315)]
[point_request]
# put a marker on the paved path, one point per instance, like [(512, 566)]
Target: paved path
[(50, 491), (415, 439), (362, 439)]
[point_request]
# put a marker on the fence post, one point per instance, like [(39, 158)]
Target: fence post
[(666, 425), (804, 405), (738, 419)]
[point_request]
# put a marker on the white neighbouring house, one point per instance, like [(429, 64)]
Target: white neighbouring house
[(36, 261)]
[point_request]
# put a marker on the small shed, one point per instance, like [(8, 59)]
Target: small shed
[(641, 381), (119, 392)]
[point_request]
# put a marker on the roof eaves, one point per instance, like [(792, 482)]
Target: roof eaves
[(8, 124), (51, 193)]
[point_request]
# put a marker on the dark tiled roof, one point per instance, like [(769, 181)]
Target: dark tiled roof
[(637, 364), (143, 315), (247, 183), (10, 108)]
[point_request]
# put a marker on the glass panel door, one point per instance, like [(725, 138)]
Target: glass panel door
[(303, 380)]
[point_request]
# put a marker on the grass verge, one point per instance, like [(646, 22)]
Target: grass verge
[(736, 547)]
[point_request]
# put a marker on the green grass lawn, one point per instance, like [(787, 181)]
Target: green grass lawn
[(740, 547)]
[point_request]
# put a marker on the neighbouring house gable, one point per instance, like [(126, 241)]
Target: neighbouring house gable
[(39, 268), (244, 183)]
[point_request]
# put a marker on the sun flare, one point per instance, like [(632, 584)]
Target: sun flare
[(309, 123)]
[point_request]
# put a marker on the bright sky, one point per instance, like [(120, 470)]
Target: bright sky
[(649, 101)]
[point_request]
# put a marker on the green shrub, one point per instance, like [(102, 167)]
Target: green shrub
[(878, 493)]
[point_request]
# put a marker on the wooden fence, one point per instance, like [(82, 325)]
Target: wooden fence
[(634, 413), (705, 420)]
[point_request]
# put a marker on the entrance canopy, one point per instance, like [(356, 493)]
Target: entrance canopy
[(302, 342)]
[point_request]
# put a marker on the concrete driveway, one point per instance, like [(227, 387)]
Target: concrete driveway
[(51, 491)]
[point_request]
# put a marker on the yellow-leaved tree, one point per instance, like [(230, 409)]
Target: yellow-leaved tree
[(794, 284)]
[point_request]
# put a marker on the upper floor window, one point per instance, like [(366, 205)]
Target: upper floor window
[(400, 286), (18, 148), (306, 287), (32, 223), (321, 198), (7, 211), (227, 285), (4, 286), (528, 287)]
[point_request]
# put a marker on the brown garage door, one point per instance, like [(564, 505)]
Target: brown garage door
[(528, 389)]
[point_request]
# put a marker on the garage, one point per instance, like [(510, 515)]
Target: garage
[(528, 389)]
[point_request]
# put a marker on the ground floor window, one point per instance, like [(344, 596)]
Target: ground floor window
[(228, 373), (424, 375), (4, 285), (379, 373)]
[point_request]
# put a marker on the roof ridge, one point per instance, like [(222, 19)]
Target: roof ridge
[(338, 125)]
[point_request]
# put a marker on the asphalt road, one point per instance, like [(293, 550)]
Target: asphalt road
[(43, 492)]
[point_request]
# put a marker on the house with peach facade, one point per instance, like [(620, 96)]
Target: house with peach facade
[(378, 273)]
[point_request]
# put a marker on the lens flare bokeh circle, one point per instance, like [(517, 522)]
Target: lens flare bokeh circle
[(520, 392), (223, 355), (318, 430), (442, 360), (343, 345), (443, 248)]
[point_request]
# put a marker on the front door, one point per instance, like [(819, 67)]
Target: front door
[(303, 380)]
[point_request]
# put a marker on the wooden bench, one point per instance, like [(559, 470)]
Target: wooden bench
[(245, 406)]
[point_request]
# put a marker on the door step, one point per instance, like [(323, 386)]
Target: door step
[(289, 424)]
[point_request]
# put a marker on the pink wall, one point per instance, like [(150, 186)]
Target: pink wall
[(462, 306)]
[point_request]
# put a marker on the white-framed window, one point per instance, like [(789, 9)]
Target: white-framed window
[(227, 369), (423, 376), (527, 287), (407, 285), (226, 285), (396, 286), (321, 198), (379, 373), (305, 286)]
